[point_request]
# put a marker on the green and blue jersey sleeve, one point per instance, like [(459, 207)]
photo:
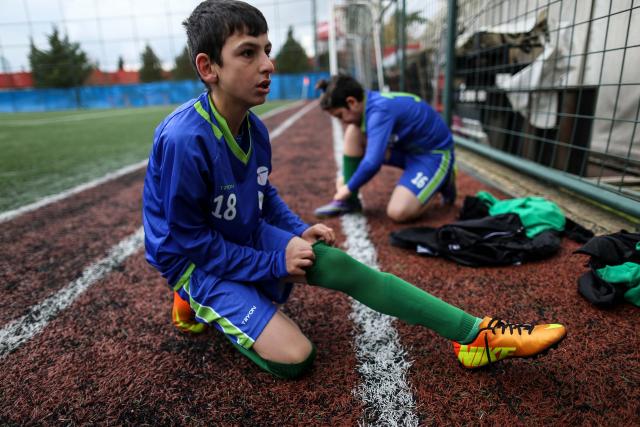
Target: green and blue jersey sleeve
[(401, 122)]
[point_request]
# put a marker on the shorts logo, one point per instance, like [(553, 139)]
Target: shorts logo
[(248, 316), (260, 199), (263, 174)]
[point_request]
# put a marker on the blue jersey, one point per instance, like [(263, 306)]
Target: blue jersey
[(206, 195), (400, 122)]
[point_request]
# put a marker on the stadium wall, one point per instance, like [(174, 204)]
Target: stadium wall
[(283, 86)]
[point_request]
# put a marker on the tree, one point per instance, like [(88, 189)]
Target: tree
[(151, 70), (63, 65), (323, 61), (120, 63), (292, 58), (183, 69), (390, 31)]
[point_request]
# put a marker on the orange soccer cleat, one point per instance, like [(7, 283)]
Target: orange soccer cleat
[(184, 318), (498, 340)]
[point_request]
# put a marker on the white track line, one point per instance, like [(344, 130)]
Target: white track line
[(116, 113), (21, 330), (8, 215), (281, 109), (291, 120), (78, 117), (385, 390)]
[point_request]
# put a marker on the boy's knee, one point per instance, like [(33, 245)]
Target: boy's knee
[(400, 213), (296, 351), (353, 132), (298, 361), (299, 352), (354, 141), (304, 356)]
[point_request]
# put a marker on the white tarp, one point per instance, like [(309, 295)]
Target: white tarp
[(548, 70), (613, 65), (596, 45)]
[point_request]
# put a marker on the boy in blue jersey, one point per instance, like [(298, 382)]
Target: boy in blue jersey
[(230, 248), (396, 129)]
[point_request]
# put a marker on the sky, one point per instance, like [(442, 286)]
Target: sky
[(109, 29)]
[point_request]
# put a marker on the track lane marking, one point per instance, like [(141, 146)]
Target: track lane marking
[(9, 215), (114, 113), (22, 329), (80, 117), (14, 213), (383, 362), (291, 120), (281, 109)]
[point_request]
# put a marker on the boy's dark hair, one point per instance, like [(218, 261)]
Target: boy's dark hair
[(213, 21), (337, 90)]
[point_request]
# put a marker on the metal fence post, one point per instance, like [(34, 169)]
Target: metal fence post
[(452, 18), (402, 42)]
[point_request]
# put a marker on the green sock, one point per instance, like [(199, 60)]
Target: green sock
[(388, 294), (280, 370), (473, 333), (349, 166)]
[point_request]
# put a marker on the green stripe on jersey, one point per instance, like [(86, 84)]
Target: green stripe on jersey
[(186, 276), (216, 131), (228, 136), (391, 95)]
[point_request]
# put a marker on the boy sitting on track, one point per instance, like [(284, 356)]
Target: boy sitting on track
[(230, 247), (397, 129)]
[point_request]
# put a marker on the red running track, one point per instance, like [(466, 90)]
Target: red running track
[(114, 358)]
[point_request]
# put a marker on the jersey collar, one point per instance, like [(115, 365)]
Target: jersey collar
[(224, 132), (228, 136)]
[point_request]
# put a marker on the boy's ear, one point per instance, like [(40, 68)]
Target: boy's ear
[(206, 68), (351, 102)]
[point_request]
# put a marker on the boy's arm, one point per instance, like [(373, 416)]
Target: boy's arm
[(378, 133), (185, 199), (211, 252), (277, 213)]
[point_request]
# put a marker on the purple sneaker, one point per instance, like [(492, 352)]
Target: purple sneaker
[(337, 208)]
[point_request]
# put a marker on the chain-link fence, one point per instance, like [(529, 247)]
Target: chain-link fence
[(552, 87)]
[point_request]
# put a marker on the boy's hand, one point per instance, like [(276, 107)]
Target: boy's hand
[(319, 232), (299, 255)]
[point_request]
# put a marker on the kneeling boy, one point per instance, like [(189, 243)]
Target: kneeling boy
[(230, 247)]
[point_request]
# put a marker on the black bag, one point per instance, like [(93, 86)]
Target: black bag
[(474, 207), (611, 249), (487, 241), (598, 292)]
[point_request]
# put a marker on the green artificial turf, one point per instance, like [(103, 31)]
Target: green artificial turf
[(46, 153)]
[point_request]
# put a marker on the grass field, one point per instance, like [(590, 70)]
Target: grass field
[(45, 153)]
